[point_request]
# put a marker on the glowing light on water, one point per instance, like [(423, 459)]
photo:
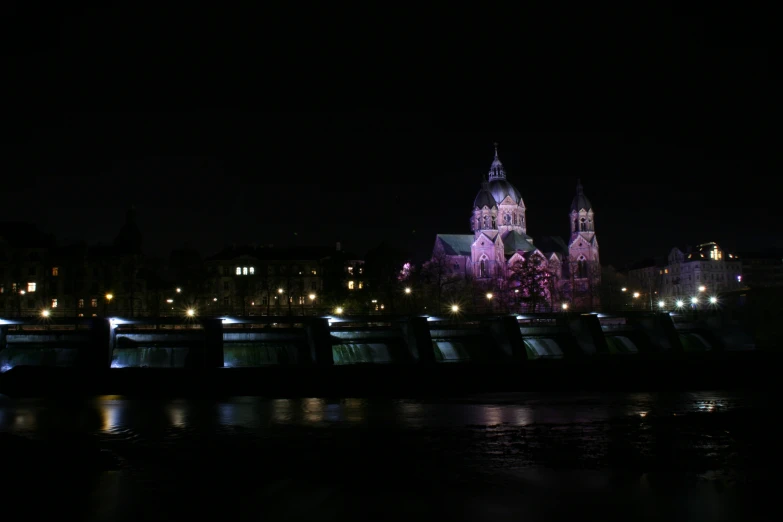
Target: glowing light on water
[(115, 364), (642, 414), (313, 410), (5, 368)]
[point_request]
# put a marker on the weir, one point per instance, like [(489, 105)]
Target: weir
[(342, 341)]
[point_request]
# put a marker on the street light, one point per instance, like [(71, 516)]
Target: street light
[(636, 295), (565, 306), (694, 300), (279, 290), (407, 290), (45, 313), (179, 290), (661, 304), (623, 289), (106, 303), (702, 288), (338, 310), (713, 300), (454, 308), (190, 312), (312, 297), (680, 303)]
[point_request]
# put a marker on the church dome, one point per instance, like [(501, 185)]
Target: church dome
[(484, 197), (500, 188), (580, 200)]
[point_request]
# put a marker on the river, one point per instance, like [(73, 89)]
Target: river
[(534, 456)]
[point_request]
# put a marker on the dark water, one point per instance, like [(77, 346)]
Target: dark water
[(646, 456)]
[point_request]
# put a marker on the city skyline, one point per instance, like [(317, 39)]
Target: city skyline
[(401, 185)]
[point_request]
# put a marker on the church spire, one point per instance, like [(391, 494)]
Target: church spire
[(496, 171)]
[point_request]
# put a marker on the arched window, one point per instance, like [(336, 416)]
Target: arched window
[(583, 225), (576, 224), (486, 221), (239, 270), (252, 270), (581, 268), (493, 222), (507, 219), (244, 271), (483, 267)]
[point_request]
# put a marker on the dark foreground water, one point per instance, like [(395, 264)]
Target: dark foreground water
[(644, 456)]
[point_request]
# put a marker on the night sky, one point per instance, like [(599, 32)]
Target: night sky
[(682, 158)]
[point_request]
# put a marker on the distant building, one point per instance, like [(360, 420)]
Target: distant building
[(705, 270), (762, 269), (256, 280), (499, 241), (38, 277)]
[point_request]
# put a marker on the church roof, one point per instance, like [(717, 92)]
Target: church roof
[(580, 201), (500, 188), (457, 244), (484, 197), (517, 242), (552, 244)]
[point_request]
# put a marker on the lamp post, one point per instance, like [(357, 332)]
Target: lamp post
[(106, 303), (489, 301), (312, 302)]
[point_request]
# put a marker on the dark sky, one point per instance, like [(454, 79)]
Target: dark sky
[(682, 157)]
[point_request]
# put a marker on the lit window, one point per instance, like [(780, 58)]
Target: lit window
[(313, 272), (350, 270), (81, 303), (94, 302), (665, 270), (31, 287), (252, 270), (244, 271), (301, 300), (239, 271), (350, 285), (79, 315), (54, 303), (360, 285), (55, 271)]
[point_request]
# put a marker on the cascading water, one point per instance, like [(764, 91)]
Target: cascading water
[(149, 356), (542, 348), (693, 342), (620, 344), (237, 354), (353, 353), (35, 356), (449, 351)]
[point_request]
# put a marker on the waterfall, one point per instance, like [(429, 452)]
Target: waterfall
[(448, 351), (693, 342), (35, 356), (542, 347), (149, 356), (361, 353), (238, 354), (620, 344)]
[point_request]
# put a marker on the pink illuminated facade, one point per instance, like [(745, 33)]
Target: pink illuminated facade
[(500, 241)]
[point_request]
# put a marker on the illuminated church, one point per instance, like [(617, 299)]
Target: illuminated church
[(500, 239)]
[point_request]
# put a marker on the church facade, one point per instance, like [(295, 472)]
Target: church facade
[(500, 254)]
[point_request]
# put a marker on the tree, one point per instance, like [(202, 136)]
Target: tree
[(439, 273), (532, 278), (383, 265)]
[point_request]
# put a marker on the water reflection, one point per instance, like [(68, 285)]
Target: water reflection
[(112, 414), (313, 410), (178, 414)]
